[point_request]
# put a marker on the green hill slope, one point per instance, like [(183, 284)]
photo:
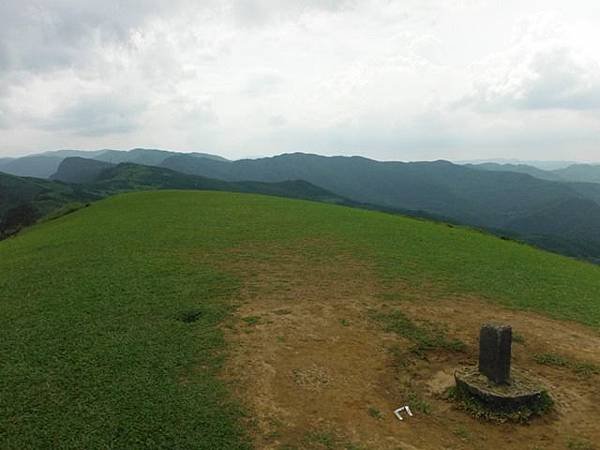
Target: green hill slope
[(25, 200), (17, 190), (477, 197), (491, 199), (110, 332), (131, 177)]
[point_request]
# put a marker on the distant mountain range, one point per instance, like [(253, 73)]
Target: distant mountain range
[(543, 165), (39, 166), (518, 168), (584, 173), (44, 165), (79, 170), (555, 209)]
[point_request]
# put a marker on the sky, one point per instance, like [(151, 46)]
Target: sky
[(390, 80)]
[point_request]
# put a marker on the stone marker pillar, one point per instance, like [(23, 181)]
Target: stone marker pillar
[(494, 352)]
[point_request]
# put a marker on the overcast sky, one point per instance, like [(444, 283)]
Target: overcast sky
[(392, 80)]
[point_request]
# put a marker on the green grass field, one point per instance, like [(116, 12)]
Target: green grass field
[(109, 324)]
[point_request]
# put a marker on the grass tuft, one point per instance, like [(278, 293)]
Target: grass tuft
[(581, 368), (462, 433), (189, 316), (580, 444), (326, 440), (418, 404), (518, 338), (425, 336), (251, 320), (374, 413)]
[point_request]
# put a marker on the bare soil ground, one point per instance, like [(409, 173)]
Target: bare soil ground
[(314, 370)]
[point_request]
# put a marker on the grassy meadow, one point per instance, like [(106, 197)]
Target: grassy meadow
[(110, 316)]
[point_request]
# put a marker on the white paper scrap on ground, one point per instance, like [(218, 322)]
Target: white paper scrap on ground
[(403, 408)]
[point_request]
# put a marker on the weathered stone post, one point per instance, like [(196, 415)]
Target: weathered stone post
[(492, 384), (495, 343)]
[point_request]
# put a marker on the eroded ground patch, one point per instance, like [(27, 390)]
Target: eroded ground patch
[(316, 368)]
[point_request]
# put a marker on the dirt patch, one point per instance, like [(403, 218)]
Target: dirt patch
[(577, 397), (316, 371)]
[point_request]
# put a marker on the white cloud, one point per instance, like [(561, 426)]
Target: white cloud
[(262, 82), (253, 77), (543, 69)]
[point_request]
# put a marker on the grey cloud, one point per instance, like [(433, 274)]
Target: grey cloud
[(263, 83), (259, 12), (358, 137), (40, 36), (277, 121), (4, 61), (96, 116), (53, 34), (194, 114), (4, 123)]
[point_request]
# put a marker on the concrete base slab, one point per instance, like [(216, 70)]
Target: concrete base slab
[(518, 392)]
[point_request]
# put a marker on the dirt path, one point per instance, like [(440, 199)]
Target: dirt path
[(316, 371)]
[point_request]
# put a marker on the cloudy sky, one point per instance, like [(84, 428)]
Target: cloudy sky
[(401, 80)]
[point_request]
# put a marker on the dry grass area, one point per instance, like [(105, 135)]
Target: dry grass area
[(316, 371)]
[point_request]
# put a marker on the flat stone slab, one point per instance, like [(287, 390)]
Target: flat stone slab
[(518, 391)]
